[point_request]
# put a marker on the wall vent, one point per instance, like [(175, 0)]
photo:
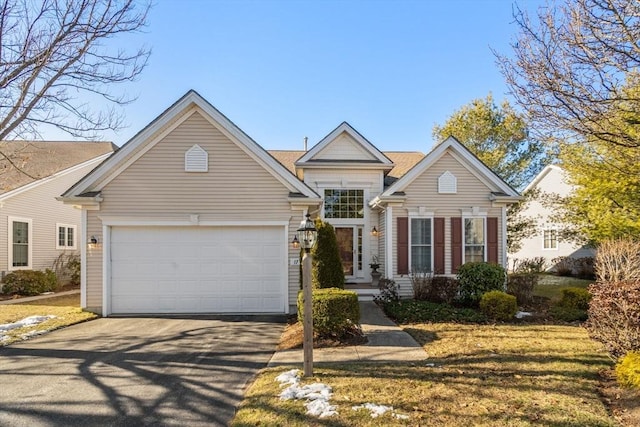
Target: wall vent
[(196, 160), (447, 183)]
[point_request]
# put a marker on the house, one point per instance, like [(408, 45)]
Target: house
[(193, 216), (547, 242), (35, 228)]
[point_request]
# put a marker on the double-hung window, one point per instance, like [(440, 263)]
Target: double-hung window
[(474, 240), (66, 236), (550, 238), (20, 231), (421, 245)]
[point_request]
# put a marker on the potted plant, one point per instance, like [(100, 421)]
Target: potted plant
[(375, 274)]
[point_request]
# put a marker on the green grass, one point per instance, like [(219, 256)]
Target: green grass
[(475, 375), (66, 309), (551, 286)]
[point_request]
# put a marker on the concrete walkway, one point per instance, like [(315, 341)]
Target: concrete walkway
[(37, 297), (387, 343)]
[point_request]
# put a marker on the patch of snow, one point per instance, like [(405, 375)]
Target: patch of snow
[(33, 334), (522, 314), (289, 377), (320, 408), (26, 322), (316, 394), (378, 410)]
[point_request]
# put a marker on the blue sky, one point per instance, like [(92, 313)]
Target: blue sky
[(283, 70)]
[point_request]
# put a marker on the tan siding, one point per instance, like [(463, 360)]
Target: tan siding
[(39, 204), (236, 188), (94, 264), (344, 147), (423, 192)]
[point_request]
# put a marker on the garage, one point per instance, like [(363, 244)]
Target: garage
[(199, 269)]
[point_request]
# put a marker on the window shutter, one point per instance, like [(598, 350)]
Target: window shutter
[(492, 239), (438, 245), (403, 245), (456, 244)]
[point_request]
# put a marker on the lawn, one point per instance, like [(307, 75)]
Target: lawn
[(551, 286), (66, 309), (480, 375)]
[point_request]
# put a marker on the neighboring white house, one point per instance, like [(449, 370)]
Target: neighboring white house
[(193, 216), (35, 228), (547, 242)]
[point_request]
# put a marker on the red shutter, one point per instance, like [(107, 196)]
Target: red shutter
[(438, 245), (456, 244), (403, 245), (492, 239)]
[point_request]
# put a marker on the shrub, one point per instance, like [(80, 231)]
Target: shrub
[(521, 286), (498, 305), (421, 281), (614, 316), (327, 271), (478, 278), (412, 311), (335, 311), (584, 267), (618, 260), (563, 266), (443, 289), (568, 314), (628, 370), (67, 268), (388, 291), (29, 282), (529, 265), (577, 298)]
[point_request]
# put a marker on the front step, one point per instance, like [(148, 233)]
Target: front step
[(364, 290)]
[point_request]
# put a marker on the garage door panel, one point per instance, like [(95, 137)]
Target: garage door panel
[(198, 270)]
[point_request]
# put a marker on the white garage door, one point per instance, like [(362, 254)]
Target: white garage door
[(198, 270)]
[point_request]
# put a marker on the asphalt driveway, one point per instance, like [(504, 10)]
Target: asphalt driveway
[(135, 371)]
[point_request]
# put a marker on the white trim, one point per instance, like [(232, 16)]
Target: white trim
[(430, 217), (503, 254), (185, 106), (388, 239), (132, 221), (540, 176), (285, 269), (44, 180), (83, 258), (348, 129), (106, 270), (66, 236), (10, 221), (550, 228), (472, 162)]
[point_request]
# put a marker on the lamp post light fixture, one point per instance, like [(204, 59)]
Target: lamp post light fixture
[(307, 237)]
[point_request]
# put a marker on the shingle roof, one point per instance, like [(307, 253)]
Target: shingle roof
[(403, 161), (40, 159)]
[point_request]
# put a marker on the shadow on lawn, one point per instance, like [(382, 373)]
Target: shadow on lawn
[(116, 376)]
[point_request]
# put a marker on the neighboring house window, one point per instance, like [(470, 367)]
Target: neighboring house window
[(474, 240), (20, 230), (343, 204), (550, 239), (447, 183), (421, 245), (196, 159), (66, 237)]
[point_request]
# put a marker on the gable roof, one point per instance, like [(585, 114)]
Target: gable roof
[(543, 173), (474, 164), (31, 161), (168, 120), (371, 155), (403, 161)]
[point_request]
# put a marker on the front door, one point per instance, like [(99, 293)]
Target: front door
[(350, 247)]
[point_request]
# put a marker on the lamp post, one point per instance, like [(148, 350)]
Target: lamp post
[(307, 237)]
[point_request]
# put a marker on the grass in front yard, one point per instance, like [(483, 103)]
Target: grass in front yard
[(66, 309), (490, 375), (551, 286)]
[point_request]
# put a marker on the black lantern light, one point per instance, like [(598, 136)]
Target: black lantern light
[(307, 234)]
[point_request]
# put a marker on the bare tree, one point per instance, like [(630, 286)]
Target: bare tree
[(571, 65), (53, 53)]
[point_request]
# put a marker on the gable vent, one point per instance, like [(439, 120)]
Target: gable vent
[(196, 160), (447, 183)]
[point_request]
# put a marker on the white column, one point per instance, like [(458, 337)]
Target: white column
[(388, 241)]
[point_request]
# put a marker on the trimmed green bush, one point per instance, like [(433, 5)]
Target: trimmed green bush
[(577, 298), (498, 305), (29, 282), (412, 311), (327, 271), (335, 311), (628, 370), (568, 314), (521, 286), (477, 278)]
